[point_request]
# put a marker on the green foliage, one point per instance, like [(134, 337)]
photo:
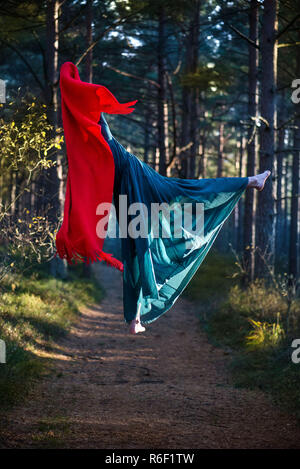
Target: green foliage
[(265, 334), (25, 136), (215, 78), (27, 148), (257, 301), (34, 311), (212, 281), (28, 242)]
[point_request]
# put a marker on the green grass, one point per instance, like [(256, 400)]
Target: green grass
[(34, 311), (250, 322), (213, 279), (51, 432)]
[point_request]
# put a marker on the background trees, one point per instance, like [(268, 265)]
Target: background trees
[(213, 83)]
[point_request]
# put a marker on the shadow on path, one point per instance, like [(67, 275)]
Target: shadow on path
[(166, 388)]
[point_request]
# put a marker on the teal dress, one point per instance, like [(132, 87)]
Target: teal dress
[(158, 268)]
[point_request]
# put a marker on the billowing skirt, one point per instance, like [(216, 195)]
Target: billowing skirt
[(167, 226)]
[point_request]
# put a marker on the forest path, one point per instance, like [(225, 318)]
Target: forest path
[(166, 388)]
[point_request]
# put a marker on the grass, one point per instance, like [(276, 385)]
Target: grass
[(51, 432), (250, 323), (35, 310)]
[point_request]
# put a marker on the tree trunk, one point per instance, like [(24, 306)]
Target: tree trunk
[(161, 122), (54, 182), (89, 40), (265, 235), (172, 160), (156, 159), (249, 226), (147, 131), (239, 208), (87, 270), (279, 173), (202, 161), (51, 180), (184, 138), (294, 245), (13, 192), (194, 103), (220, 164), (285, 206)]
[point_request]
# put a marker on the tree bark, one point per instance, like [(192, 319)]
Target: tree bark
[(294, 241), (249, 226), (51, 181), (13, 192), (221, 142), (161, 123), (265, 236), (239, 208), (54, 182), (285, 206), (89, 40), (87, 270), (184, 137), (279, 248), (194, 103), (202, 161), (147, 132)]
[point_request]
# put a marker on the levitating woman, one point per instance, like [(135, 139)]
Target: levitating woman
[(156, 266)]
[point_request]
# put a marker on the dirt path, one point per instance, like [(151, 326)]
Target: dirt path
[(168, 388)]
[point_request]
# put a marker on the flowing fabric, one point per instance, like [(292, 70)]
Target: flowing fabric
[(157, 269), (91, 169)]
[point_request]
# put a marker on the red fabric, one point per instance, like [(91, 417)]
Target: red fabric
[(91, 166)]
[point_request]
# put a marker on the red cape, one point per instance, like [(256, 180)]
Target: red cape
[(91, 167)]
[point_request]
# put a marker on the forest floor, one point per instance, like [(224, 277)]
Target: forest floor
[(166, 388)]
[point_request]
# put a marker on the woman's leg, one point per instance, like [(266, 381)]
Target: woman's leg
[(258, 181), (135, 325), (255, 182)]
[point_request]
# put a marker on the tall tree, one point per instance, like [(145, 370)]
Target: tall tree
[(89, 78), (51, 179), (279, 177), (265, 236), (194, 101), (221, 142), (54, 181), (294, 240), (162, 103), (248, 256), (184, 135), (89, 40)]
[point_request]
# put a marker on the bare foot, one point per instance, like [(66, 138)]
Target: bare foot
[(258, 181), (136, 327)]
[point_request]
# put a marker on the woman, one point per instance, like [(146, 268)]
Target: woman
[(155, 273), (158, 259)]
